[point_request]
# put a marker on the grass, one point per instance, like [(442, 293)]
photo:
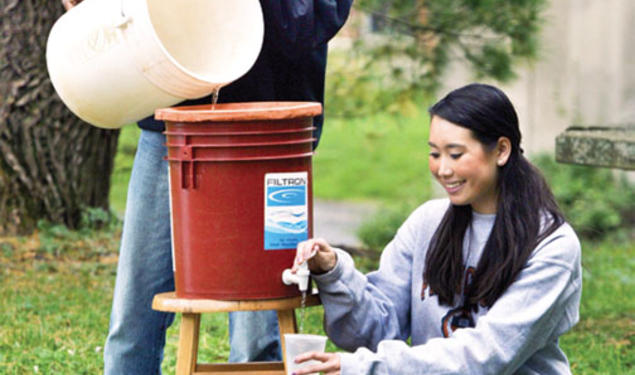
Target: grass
[(602, 343), (54, 313), (379, 157), (55, 305)]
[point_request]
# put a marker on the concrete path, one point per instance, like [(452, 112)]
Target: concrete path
[(338, 221)]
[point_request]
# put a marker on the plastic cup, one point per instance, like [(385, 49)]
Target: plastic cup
[(296, 344)]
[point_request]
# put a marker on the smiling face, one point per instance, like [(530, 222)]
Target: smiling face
[(464, 167)]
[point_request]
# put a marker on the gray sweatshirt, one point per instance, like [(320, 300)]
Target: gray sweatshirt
[(372, 315)]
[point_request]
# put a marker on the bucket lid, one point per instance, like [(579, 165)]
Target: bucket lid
[(247, 111)]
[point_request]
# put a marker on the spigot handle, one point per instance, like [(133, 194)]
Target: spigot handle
[(288, 278), (301, 277)]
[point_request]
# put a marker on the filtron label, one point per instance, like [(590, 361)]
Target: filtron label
[(286, 210)]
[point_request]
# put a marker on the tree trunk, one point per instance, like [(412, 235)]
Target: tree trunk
[(52, 164)]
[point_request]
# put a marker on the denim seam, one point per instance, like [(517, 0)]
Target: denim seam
[(161, 339)]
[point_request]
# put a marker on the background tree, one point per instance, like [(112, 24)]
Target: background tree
[(52, 164), (413, 42)]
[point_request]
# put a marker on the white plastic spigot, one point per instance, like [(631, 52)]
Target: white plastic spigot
[(301, 277)]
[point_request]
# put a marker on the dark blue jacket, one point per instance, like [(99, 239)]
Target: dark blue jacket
[(292, 61)]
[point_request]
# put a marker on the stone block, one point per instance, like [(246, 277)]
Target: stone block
[(611, 147)]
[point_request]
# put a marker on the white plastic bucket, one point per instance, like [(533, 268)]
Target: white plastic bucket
[(113, 62)]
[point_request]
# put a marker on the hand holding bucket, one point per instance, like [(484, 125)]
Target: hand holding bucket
[(68, 4), (111, 73)]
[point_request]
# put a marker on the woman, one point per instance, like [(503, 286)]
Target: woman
[(483, 282)]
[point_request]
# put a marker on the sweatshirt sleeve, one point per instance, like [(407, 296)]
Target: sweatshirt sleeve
[(539, 306), (361, 310), (296, 26)]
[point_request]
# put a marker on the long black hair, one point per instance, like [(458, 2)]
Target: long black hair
[(526, 210)]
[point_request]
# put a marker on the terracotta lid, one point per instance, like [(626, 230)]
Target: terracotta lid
[(247, 111)]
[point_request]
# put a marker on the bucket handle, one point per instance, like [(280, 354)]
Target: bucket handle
[(123, 19)]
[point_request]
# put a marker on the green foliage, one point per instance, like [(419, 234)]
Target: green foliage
[(416, 41), (57, 239), (6, 249), (357, 87), (596, 201), (96, 218), (50, 234)]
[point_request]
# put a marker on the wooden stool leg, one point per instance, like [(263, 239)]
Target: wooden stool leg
[(287, 324), (188, 344)]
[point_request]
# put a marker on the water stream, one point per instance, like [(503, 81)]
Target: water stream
[(302, 309), (215, 97)]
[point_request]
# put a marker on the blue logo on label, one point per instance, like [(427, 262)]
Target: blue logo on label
[(286, 196), (286, 210)]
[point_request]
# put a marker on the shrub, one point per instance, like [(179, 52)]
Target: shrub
[(98, 227), (357, 88), (595, 201), (377, 231)]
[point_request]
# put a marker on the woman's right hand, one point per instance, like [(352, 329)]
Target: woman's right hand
[(318, 253), (68, 4)]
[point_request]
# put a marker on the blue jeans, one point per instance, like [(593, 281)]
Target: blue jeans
[(136, 334)]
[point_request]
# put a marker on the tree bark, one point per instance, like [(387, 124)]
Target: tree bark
[(52, 164)]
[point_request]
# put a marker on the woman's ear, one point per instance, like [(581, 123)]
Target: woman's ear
[(503, 150)]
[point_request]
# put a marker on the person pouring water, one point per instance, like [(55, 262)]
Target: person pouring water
[(482, 282), (290, 67)]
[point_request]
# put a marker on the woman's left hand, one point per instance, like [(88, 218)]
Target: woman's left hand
[(330, 363)]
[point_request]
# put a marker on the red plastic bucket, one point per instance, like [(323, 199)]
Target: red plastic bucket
[(241, 195)]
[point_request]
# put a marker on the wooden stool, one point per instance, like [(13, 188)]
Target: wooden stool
[(191, 309)]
